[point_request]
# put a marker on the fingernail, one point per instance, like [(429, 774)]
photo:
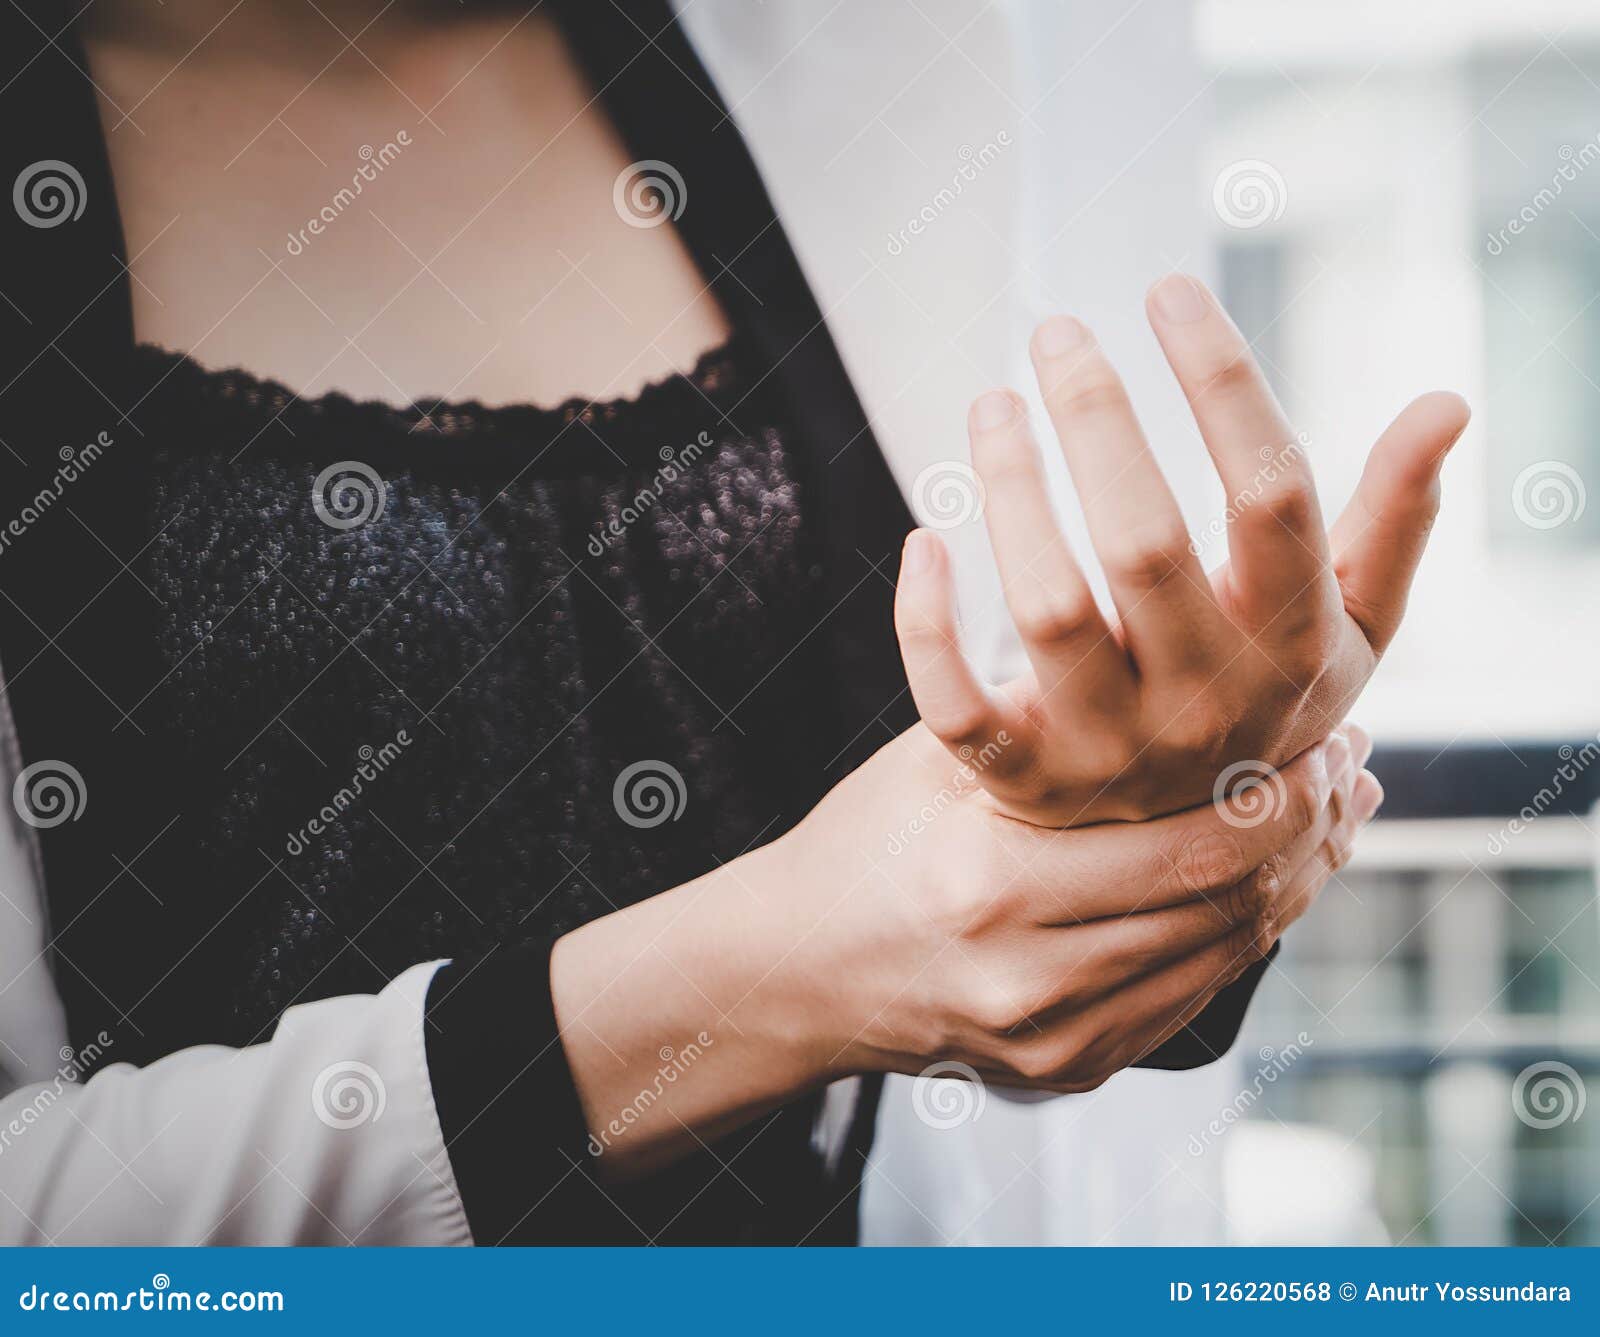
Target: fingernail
[(917, 555), (1179, 299), (1368, 800), (1320, 774), (1339, 758), (1060, 335), (994, 409), (1360, 743)]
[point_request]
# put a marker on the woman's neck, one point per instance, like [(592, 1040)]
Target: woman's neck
[(294, 33)]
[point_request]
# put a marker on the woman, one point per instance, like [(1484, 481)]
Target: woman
[(502, 824)]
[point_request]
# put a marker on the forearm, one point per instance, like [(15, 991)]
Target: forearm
[(692, 1013)]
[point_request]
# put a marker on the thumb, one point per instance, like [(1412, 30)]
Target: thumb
[(1378, 541)]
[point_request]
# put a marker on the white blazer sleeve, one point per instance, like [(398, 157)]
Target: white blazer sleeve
[(327, 1134)]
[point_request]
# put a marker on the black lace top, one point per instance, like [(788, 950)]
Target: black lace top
[(430, 682), (441, 678)]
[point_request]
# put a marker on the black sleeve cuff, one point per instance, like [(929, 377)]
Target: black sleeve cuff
[(508, 1107), (1210, 1035)]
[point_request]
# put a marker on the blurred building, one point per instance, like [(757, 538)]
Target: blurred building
[(1408, 196)]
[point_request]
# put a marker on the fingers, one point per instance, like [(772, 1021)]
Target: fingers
[(953, 703), (1121, 867), (1313, 873), (1119, 989), (1077, 1052), (1051, 603), (1275, 532), (1378, 540), (1169, 616)]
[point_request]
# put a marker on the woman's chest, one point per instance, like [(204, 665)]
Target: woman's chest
[(457, 216)]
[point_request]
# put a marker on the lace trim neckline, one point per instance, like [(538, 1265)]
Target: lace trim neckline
[(708, 392)]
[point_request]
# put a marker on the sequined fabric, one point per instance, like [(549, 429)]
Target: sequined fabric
[(440, 679)]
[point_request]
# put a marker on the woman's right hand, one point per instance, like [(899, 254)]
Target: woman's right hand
[(1054, 959), (907, 921)]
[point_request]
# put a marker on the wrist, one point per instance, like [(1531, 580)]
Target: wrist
[(700, 998)]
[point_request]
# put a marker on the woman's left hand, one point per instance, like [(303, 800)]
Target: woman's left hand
[(1202, 683)]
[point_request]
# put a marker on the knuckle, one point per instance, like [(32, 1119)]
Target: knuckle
[(1309, 652), (1209, 861), (1303, 805), (964, 899), (1243, 948), (1426, 506), (1046, 616), (1292, 505), (958, 726), (1150, 555), (913, 627), (1089, 394), (1339, 801), (1259, 907), (1197, 737), (1034, 1062), (999, 1008), (1233, 376)]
